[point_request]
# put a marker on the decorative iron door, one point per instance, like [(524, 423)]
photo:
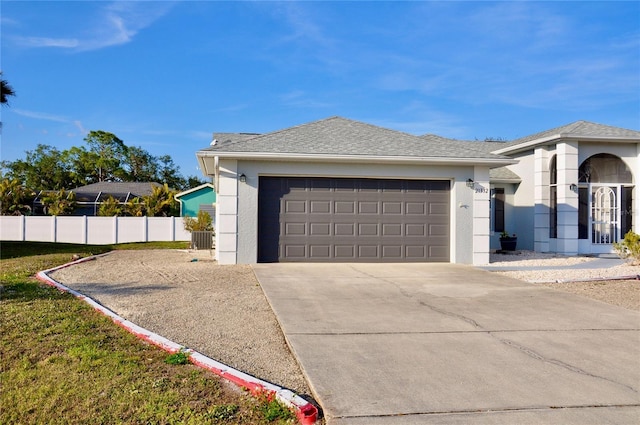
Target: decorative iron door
[(605, 214)]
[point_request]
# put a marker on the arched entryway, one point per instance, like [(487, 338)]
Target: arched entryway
[(605, 199)]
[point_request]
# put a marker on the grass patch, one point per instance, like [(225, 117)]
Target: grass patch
[(63, 362), (273, 410), (12, 249), (178, 358)]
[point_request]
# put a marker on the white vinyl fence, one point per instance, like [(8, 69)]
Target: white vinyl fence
[(92, 230)]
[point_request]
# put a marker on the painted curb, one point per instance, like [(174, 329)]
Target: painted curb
[(306, 412)]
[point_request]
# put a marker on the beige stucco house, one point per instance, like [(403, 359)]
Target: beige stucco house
[(342, 190)]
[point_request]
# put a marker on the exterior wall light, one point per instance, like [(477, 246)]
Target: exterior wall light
[(573, 187), (242, 178), (470, 183)]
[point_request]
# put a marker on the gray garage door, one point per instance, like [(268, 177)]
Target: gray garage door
[(359, 220)]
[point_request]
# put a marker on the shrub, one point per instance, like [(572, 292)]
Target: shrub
[(110, 207), (203, 222), (59, 202), (629, 247), (14, 198)]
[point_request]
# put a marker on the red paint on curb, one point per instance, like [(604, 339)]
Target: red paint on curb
[(306, 412)]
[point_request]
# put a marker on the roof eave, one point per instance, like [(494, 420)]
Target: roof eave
[(511, 181), (263, 156), (177, 196), (562, 137)]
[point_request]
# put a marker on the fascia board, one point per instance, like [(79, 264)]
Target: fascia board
[(356, 159), (512, 181), (193, 189), (203, 163)]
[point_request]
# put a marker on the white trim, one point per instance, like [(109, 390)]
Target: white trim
[(288, 157), (561, 137), (177, 196)]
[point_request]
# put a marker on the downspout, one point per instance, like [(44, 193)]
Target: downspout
[(216, 173)]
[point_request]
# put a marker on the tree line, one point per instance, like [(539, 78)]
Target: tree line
[(16, 199), (105, 158)]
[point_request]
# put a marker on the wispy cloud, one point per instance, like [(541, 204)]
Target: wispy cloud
[(115, 24), (53, 118), (299, 98), (42, 116), (302, 25), (419, 118), (523, 54), (67, 43)]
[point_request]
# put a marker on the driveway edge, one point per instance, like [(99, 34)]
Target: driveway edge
[(306, 412)]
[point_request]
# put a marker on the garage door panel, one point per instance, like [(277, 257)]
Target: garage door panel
[(439, 252), (320, 251), (392, 252), (416, 251), (320, 229), (295, 251), (416, 230), (368, 207), (368, 251), (392, 229), (344, 229), (322, 219), (441, 209), (345, 207), (438, 230), (367, 229), (345, 252), (415, 208), (295, 207), (295, 229), (391, 208), (319, 207)]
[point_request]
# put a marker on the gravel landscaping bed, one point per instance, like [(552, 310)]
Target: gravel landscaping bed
[(222, 312), (219, 311), (602, 284)]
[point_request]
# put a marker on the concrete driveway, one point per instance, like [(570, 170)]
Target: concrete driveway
[(451, 344)]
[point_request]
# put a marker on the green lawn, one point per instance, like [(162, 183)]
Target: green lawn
[(62, 362)]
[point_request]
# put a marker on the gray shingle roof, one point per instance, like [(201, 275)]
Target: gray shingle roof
[(503, 174), (135, 188), (579, 129), (341, 136), (223, 138)]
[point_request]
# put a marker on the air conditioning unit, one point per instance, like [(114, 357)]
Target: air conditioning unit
[(202, 239)]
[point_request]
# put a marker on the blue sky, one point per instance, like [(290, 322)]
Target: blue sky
[(165, 75)]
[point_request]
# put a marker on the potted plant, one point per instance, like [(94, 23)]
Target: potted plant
[(508, 242)]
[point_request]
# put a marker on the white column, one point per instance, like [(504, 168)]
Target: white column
[(541, 199), (567, 162), (636, 195), (481, 215), (227, 212)]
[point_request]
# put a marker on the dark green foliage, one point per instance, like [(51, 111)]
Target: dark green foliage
[(5, 91), (105, 157), (15, 199)]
